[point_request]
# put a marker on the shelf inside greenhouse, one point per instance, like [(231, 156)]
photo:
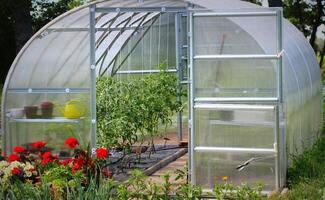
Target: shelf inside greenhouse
[(53, 120)]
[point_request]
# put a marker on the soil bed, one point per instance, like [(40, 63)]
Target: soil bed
[(164, 155)]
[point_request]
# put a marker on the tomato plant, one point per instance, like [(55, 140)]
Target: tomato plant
[(125, 109)]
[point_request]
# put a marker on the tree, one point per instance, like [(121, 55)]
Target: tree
[(307, 16), (322, 55), (16, 29), (45, 11)]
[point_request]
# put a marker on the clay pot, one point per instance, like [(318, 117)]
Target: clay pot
[(31, 112), (47, 110)]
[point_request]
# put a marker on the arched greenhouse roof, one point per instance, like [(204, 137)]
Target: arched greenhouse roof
[(64, 42)]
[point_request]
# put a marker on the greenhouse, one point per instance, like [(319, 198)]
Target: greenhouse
[(252, 80)]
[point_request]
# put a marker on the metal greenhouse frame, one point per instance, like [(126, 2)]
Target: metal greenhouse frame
[(253, 81)]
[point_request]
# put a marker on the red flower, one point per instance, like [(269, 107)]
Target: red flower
[(45, 161), (39, 144), (13, 157), (79, 162), (17, 171), (19, 149), (101, 153), (107, 173), (47, 155), (66, 161), (71, 142)]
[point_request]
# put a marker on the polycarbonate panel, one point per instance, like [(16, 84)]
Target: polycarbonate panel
[(150, 49), (62, 63), (210, 168), (224, 35), (55, 130), (234, 128), (136, 3), (235, 78)]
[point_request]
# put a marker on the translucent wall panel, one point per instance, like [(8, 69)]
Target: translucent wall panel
[(212, 167), (224, 35), (235, 78), (234, 128), (55, 130)]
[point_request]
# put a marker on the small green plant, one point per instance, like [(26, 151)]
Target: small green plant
[(242, 192)]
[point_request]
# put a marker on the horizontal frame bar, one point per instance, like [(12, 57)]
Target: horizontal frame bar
[(240, 123), (252, 56), (48, 90), (234, 150), (59, 29), (141, 9), (146, 71), (237, 99), (233, 107), (53, 120), (235, 14)]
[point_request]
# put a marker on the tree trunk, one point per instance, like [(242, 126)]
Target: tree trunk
[(318, 21), (275, 3), (23, 22), (322, 54)]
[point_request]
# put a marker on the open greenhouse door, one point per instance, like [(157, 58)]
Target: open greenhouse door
[(236, 98)]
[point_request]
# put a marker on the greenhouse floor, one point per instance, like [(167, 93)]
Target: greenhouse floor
[(178, 164)]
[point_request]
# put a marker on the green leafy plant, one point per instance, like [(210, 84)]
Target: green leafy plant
[(128, 110)]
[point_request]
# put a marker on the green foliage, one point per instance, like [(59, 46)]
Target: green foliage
[(43, 11), (126, 109), (309, 165), (243, 192), (311, 189), (61, 176), (117, 112)]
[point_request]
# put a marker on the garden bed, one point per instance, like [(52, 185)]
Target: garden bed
[(163, 155)]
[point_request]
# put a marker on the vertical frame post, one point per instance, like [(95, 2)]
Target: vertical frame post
[(92, 36), (276, 148), (191, 97), (279, 109), (179, 71)]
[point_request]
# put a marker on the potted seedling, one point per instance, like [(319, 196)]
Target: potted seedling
[(47, 110)]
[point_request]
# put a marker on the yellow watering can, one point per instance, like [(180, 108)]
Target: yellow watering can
[(74, 109)]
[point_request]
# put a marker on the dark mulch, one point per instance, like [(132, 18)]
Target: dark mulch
[(122, 166)]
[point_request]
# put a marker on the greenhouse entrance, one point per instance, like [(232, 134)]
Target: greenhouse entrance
[(235, 118)]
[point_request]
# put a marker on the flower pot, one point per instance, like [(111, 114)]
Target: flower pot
[(47, 110), (31, 112)]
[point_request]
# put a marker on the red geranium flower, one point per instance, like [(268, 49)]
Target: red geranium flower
[(17, 171), (101, 153), (47, 155), (19, 149), (71, 142), (66, 161), (78, 163), (39, 144), (13, 157), (45, 161)]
